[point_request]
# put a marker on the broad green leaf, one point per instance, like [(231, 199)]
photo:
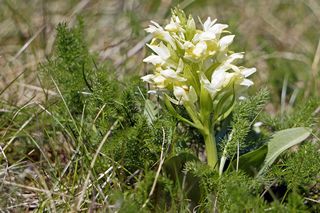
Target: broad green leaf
[(174, 112), (174, 165), (251, 162), (225, 105), (174, 168), (281, 141), (205, 103)]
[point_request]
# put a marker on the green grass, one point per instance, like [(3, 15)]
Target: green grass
[(77, 133)]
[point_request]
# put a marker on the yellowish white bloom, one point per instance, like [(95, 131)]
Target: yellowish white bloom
[(200, 49), (184, 58), (174, 25), (219, 80), (171, 74), (160, 33), (163, 54), (195, 69), (184, 94)]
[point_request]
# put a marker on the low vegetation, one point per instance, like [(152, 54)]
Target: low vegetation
[(92, 138)]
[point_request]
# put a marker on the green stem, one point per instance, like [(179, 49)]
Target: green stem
[(211, 150)]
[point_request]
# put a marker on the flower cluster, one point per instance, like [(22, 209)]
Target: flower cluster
[(197, 67), (188, 60)]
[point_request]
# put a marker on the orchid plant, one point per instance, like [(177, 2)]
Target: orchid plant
[(194, 68)]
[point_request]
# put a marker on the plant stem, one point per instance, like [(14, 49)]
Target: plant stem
[(211, 149)]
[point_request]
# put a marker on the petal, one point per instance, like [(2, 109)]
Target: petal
[(233, 57), (235, 68), (208, 24), (154, 59), (161, 50), (199, 49), (248, 71), (246, 82), (195, 39), (167, 37), (151, 29), (180, 66), (148, 78), (154, 27), (204, 80), (207, 85), (258, 124), (191, 25), (172, 27), (188, 45), (169, 73), (159, 80), (156, 24), (222, 68), (218, 28), (227, 79), (153, 92), (179, 93), (160, 33), (218, 79), (225, 41), (207, 36)]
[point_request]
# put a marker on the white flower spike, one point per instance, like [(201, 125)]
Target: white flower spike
[(196, 69)]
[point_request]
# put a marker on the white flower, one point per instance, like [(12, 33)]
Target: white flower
[(188, 45), (228, 59), (171, 74), (241, 73), (163, 77), (163, 54), (206, 51), (199, 49), (154, 59), (211, 31), (208, 24), (219, 80), (161, 50), (216, 29), (246, 72), (233, 57), (184, 94), (174, 25), (159, 80), (148, 78), (256, 126), (160, 33)]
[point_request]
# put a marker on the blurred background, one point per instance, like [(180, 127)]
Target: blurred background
[(280, 38)]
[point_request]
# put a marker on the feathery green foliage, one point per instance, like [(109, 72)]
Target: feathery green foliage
[(244, 115)]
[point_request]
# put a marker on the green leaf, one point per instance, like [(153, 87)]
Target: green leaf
[(206, 104), (175, 113), (281, 141), (251, 162), (150, 111), (174, 167), (225, 105), (175, 164)]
